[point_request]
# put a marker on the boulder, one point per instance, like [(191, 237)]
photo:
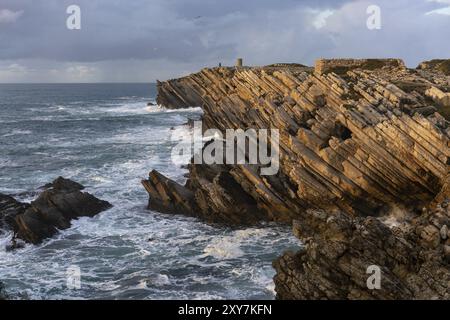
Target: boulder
[(441, 98), (59, 203), (9, 210)]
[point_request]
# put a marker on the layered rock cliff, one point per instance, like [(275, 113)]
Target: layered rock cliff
[(364, 146)]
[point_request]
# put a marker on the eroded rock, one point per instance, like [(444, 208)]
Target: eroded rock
[(441, 98), (9, 210), (339, 250), (358, 138), (60, 202)]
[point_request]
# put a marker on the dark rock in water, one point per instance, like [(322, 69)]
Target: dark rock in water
[(53, 210), (190, 123), (211, 193), (168, 196), (150, 104), (15, 244), (9, 210), (3, 295), (64, 184)]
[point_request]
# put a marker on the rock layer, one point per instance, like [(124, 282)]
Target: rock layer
[(56, 206), (412, 253), (357, 139)]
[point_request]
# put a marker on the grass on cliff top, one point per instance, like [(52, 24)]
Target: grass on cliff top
[(370, 64), (444, 67)]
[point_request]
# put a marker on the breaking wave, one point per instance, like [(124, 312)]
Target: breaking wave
[(127, 252)]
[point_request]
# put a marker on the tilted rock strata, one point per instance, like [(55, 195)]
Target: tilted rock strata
[(211, 193), (56, 206), (413, 256), (355, 143), (439, 97)]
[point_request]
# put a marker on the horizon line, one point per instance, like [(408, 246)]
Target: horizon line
[(132, 82)]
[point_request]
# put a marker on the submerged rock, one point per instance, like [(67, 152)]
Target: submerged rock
[(3, 295), (55, 207), (358, 138)]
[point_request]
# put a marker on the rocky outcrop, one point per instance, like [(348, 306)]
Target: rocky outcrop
[(59, 203), (441, 98), (411, 250), (211, 194), (358, 140), (436, 66), (342, 66), (10, 208)]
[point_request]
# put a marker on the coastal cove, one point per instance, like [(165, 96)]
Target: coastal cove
[(105, 137)]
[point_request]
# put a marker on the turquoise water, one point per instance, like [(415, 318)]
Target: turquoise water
[(107, 138)]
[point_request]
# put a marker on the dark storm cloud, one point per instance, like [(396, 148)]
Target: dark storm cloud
[(140, 40), (136, 29)]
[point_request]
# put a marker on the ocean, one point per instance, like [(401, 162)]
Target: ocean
[(105, 137)]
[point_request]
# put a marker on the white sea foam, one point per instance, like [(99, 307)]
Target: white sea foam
[(224, 248), (18, 132), (125, 108), (128, 251)]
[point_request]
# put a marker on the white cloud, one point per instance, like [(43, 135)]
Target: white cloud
[(15, 67), (440, 1), (167, 40), (80, 71), (321, 17), (444, 11), (14, 72), (8, 16)]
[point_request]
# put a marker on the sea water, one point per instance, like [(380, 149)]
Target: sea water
[(105, 137)]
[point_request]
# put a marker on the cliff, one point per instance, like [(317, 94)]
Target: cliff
[(364, 158)]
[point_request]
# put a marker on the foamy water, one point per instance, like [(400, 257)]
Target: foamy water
[(108, 139)]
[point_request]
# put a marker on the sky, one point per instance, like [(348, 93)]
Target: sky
[(146, 40)]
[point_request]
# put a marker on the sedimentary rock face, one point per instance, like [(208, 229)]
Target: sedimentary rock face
[(354, 141), (360, 141)]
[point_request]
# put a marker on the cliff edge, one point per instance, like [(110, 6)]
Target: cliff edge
[(363, 178)]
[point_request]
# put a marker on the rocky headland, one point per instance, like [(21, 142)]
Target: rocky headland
[(364, 171)]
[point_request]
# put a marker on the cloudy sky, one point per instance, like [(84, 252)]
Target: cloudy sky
[(145, 40)]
